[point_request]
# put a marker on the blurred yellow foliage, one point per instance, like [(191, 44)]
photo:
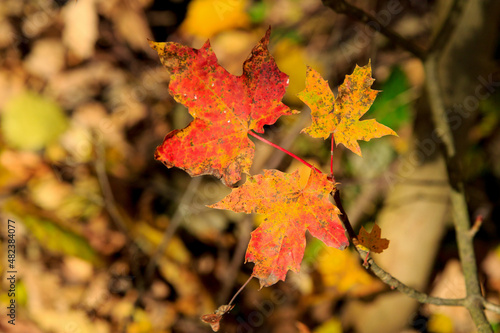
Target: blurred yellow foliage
[(192, 297), (59, 240), (82, 199), (440, 323), (343, 271), (205, 18), (141, 323), (30, 121), (331, 326), (233, 47), (151, 239), (292, 59)]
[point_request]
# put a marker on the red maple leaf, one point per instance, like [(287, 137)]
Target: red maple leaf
[(278, 244), (224, 107)]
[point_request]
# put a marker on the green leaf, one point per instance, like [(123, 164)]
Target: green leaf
[(313, 249), (21, 293), (258, 12), (59, 240), (31, 122), (392, 107)]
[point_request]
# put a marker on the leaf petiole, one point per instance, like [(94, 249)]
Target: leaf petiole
[(331, 158), (239, 291), (284, 150)]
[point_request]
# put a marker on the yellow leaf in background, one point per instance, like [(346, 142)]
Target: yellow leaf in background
[(59, 240), (82, 199), (331, 326), (292, 59), (233, 47), (31, 122), (85, 201), (151, 239), (342, 270), (53, 235), (141, 322), (440, 323), (205, 18), (21, 293)]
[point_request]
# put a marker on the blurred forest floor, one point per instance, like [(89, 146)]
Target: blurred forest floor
[(109, 240)]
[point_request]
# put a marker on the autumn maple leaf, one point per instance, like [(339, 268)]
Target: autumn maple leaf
[(224, 107), (373, 240), (278, 244), (341, 116)]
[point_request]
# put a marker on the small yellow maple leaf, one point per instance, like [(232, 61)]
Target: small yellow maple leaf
[(341, 115)]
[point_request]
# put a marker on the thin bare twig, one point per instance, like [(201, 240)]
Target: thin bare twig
[(239, 290), (447, 28), (491, 307), (343, 7), (237, 259), (112, 209), (413, 293), (383, 275), (175, 222), (107, 192)]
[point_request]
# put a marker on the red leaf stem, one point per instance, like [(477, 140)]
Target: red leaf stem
[(331, 158), (284, 150)]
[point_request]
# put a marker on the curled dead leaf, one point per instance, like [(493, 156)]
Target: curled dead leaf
[(213, 319), (372, 240)]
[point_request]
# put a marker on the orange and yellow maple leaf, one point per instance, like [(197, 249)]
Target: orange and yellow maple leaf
[(341, 116), (278, 244), (224, 107)]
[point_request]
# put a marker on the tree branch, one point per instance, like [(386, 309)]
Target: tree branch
[(342, 7), (383, 275), (457, 195), (169, 232), (413, 293), (237, 259), (474, 300), (447, 28), (107, 192)]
